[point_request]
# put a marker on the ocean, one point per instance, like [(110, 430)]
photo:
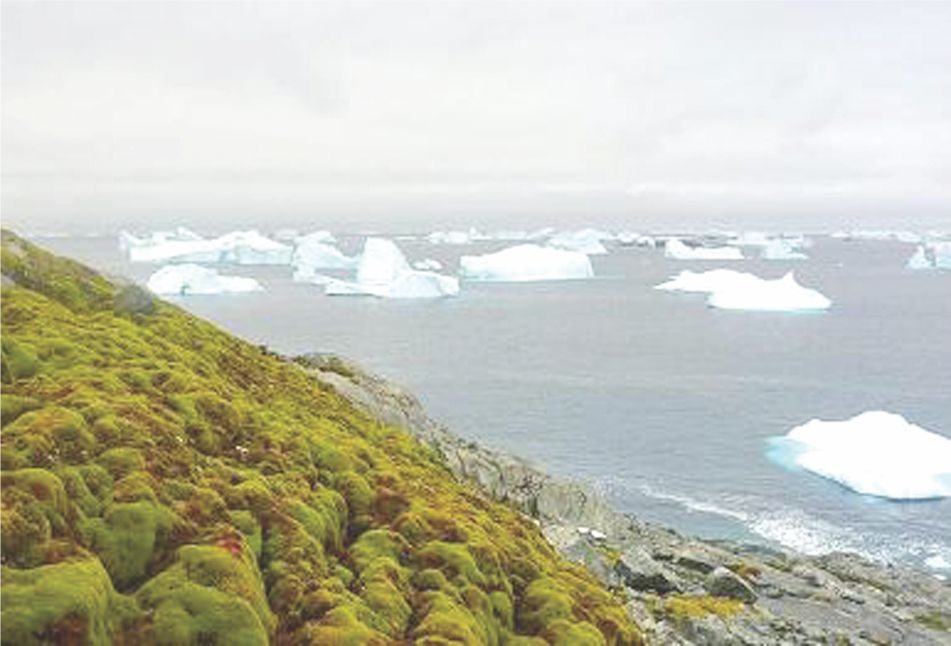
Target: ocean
[(660, 402)]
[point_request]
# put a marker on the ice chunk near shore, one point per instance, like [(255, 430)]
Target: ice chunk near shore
[(779, 249), (186, 279), (384, 272), (587, 241), (875, 453), (526, 262), (679, 251)]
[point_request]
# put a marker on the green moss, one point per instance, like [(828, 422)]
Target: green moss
[(692, 607), (121, 461), (452, 558), (126, 537), (12, 406), (242, 500), (19, 361), (565, 633), (69, 602), (940, 621)]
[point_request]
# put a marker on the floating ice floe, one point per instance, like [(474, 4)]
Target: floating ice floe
[(938, 562), (526, 262), (427, 264), (454, 237), (241, 247), (737, 290), (875, 453), (779, 249), (587, 241), (679, 251), (931, 255), (187, 279), (128, 240), (384, 272), (313, 252), (878, 235)]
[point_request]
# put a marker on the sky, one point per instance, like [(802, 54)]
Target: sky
[(796, 114)]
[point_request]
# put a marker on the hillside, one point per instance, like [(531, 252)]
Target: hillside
[(165, 482)]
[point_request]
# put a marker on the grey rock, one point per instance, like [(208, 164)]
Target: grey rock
[(724, 583), (838, 598), (638, 571)]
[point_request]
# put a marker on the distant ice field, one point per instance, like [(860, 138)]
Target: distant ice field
[(665, 404)]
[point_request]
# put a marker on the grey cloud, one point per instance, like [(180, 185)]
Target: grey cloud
[(805, 111)]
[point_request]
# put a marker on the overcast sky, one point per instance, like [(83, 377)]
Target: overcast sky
[(263, 112)]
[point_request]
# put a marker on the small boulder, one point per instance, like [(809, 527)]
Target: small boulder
[(638, 571), (724, 583)]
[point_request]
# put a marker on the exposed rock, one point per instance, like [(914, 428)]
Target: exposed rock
[(724, 583), (638, 571), (777, 597)]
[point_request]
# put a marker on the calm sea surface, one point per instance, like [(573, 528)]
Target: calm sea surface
[(661, 402)]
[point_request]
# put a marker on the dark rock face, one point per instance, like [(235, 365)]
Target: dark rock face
[(682, 590)]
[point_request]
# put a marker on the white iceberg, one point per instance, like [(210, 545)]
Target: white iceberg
[(737, 290), (384, 272), (920, 259), (679, 251), (454, 237), (931, 255), (241, 247), (587, 241), (708, 281), (526, 262), (427, 264), (128, 240), (186, 279), (780, 295), (627, 238), (313, 252), (875, 453), (779, 249)]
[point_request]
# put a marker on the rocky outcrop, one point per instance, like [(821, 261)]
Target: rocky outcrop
[(682, 590)]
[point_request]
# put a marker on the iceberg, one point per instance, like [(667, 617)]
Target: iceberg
[(241, 247), (187, 279), (454, 237), (384, 272), (737, 290), (875, 453), (931, 255), (679, 251), (779, 249), (780, 295), (526, 262), (313, 252), (587, 241), (427, 264)]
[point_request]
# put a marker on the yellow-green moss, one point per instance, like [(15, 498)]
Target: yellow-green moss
[(233, 498), (69, 602), (690, 607)]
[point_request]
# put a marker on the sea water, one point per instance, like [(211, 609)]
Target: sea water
[(662, 403)]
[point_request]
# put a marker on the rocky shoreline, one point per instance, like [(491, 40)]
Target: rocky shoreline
[(681, 590)]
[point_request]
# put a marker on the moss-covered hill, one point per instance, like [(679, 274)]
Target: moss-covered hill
[(165, 482)]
